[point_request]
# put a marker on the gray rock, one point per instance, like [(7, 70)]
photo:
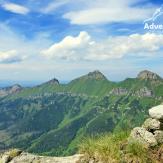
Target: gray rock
[(144, 92), (143, 136), (152, 124), (157, 112), (148, 75), (5, 159), (159, 136), (119, 91), (30, 158), (10, 90)]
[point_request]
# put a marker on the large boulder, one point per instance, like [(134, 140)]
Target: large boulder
[(152, 125), (141, 135), (159, 136), (157, 112)]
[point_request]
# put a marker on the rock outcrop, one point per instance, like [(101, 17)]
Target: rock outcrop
[(144, 92), (143, 136), (157, 112), (148, 75), (17, 156), (53, 81), (10, 90), (97, 75), (152, 124), (151, 132), (119, 91)]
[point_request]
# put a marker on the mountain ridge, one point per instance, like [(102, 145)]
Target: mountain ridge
[(38, 119), (90, 84)]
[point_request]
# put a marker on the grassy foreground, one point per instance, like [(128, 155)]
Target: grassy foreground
[(113, 148)]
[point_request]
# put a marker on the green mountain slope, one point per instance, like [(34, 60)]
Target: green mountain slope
[(52, 118)]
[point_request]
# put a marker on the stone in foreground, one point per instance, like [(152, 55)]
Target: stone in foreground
[(30, 158), (157, 112), (152, 125), (159, 136), (141, 135)]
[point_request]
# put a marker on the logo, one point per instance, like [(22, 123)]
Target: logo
[(152, 22)]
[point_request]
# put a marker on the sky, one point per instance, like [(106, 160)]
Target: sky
[(43, 39)]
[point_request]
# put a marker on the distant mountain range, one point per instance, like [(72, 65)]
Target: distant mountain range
[(7, 83), (52, 118)]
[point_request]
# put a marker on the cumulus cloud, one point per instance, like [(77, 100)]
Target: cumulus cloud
[(15, 8), (69, 46), (104, 11), (10, 56), (83, 47)]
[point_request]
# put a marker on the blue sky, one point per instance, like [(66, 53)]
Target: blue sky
[(42, 39)]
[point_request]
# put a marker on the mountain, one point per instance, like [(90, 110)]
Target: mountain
[(92, 84), (10, 90), (53, 81), (52, 118), (148, 75)]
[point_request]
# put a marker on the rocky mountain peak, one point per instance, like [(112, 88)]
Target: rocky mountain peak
[(53, 81), (16, 87), (96, 75), (148, 75), (10, 90)]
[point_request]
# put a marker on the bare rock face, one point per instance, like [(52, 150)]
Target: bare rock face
[(143, 136), (148, 75), (157, 112), (53, 81), (152, 125), (97, 75), (144, 92), (119, 91)]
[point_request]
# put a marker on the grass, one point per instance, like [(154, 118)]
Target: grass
[(13, 153), (136, 151), (103, 148), (115, 148)]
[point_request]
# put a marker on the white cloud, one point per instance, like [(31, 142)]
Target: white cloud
[(83, 47), (104, 11), (15, 45), (15, 8), (54, 5), (10, 56), (68, 47)]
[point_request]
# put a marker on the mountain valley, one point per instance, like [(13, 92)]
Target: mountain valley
[(52, 118)]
